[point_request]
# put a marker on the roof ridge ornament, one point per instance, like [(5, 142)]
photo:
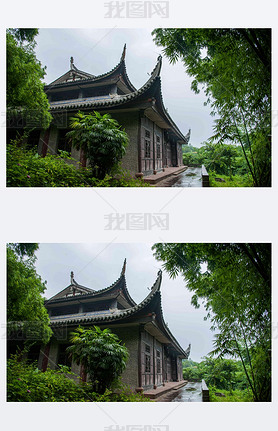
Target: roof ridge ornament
[(123, 53), (71, 277), (187, 351), (124, 268), (187, 136), (157, 68), (157, 283), (71, 63)]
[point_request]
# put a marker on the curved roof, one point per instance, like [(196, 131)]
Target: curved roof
[(118, 287), (151, 306), (75, 75), (110, 100), (150, 91)]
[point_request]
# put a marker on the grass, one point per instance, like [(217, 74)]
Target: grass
[(230, 396), (233, 181)]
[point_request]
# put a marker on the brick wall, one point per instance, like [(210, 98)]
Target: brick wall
[(130, 337), (130, 122)]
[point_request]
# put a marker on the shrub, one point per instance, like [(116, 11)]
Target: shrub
[(101, 138), (230, 396), (26, 383), (27, 169), (101, 353), (233, 181)]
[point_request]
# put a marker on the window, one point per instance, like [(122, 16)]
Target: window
[(147, 358), (158, 147), (158, 362), (158, 152), (147, 149), (147, 144), (158, 366), (147, 363)]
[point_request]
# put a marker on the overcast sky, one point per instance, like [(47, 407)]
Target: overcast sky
[(97, 51), (98, 265)]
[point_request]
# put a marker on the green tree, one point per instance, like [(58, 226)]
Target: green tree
[(25, 90), (219, 372), (234, 282), (101, 139), (101, 355), (220, 158), (191, 155), (234, 68), (26, 313)]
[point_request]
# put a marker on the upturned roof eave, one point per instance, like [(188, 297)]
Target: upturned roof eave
[(118, 70), (130, 311), (119, 284), (152, 303), (153, 85)]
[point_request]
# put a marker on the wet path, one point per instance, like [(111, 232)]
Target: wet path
[(192, 177), (190, 393)]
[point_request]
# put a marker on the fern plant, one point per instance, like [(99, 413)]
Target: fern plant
[(101, 138), (101, 355)]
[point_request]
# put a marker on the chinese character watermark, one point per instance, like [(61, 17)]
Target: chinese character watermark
[(274, 118), (137, 428), (30, 330), (274, 330), (137, 9), (32, 119), (137, 221)]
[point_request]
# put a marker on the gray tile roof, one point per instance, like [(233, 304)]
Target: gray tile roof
[(107, 315), (111, 101), (152, 301)]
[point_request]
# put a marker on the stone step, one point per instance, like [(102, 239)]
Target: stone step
[(154, 179), (162, 390)]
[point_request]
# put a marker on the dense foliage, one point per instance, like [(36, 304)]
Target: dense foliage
[(221, 160), (234, 68), (101, 139), (101, 354), (234, 283), (26, 314), (27, 169), (26, 383), (26, 98), (225, 378)]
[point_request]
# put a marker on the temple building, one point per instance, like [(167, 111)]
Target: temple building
[(155, 141), (155, 356)]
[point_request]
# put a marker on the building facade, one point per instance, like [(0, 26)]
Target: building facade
[(155, 141), (155, 356)]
